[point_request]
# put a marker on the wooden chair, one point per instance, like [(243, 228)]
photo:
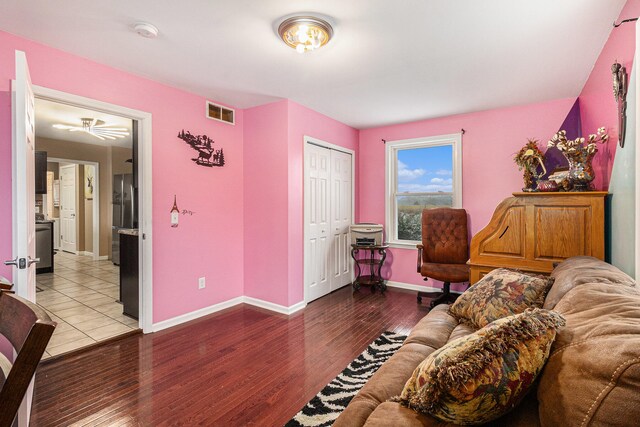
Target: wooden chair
[(444, 251), (28, 329)]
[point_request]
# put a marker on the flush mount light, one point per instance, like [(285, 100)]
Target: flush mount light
[(305, 33), (97, 128)]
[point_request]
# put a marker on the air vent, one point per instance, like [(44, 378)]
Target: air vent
[(223, 114)]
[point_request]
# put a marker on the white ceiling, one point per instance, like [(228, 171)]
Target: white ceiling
[(49, 113), (389, 61)]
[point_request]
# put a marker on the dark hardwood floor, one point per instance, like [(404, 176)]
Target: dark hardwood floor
[(241, 366)]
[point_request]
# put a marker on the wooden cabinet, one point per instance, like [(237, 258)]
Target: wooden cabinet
[(532, 231)]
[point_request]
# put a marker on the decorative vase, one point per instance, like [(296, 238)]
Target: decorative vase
[(580, 169)]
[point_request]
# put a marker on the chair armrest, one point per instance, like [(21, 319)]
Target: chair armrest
[(419, 266)]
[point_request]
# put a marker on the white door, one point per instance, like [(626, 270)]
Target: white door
[(316, 195), (68, 207), (23, 168), (340, 194)]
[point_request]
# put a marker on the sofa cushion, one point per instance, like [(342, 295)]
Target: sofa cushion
[(491, 369), (500, 293), (580, 270), (432, 332), (593, 373)]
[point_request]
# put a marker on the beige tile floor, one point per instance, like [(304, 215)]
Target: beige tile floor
[(81, 296)]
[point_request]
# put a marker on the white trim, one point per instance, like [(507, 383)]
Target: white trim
[(320, 143), (145, 202), (637, 148), (96, 204), (275, 307), (412, 287), (391, 153), (102, 258), (187, 317), (86, 253)]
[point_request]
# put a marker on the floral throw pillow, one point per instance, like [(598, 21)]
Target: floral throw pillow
[(500, 293), (480, 377)]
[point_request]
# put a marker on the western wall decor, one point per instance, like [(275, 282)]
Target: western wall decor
[(89, 177), (207, 155), (529, 159), (620, 87), (580, 156)]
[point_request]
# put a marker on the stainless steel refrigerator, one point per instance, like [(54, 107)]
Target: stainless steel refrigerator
[(124, 211)]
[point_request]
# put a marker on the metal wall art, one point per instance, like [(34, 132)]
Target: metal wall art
[(620, 86), (207, 155)]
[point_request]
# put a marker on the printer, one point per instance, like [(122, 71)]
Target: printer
[(366, 234)]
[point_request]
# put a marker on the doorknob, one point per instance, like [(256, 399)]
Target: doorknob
[(12, 262), (33, 261)]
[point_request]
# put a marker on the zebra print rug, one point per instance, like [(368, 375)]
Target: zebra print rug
[(326, 406)]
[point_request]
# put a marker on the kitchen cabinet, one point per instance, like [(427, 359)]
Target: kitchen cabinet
[(41, 172)]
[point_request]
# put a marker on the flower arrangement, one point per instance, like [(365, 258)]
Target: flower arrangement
[(579, 153)]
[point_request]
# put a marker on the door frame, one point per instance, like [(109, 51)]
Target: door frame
[(75, 203), (145, 205), (320, 143), (96, 199)]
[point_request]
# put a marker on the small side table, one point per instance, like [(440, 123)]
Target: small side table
[(373, 278)]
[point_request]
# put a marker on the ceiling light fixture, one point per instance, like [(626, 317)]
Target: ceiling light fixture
[(305, 33), (97, 128)]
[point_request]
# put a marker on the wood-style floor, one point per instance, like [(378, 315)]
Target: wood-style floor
[(242, 366)]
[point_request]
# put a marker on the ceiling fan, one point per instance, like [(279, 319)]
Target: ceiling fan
[(97, 128)]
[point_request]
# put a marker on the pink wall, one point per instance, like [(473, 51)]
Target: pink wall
[(489, 174), (274, 210), (597, 105), (265, 203), (209, 243)]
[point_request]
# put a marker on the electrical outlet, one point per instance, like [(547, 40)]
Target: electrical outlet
[(201, 283)]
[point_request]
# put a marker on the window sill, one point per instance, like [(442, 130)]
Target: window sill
[(403, 245)]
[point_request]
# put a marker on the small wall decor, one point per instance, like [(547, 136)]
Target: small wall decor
[(620, 87), (89, 176), (207, 155), (529, 158), (175, 213)]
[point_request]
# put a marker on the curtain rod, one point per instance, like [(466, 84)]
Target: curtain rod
[(623, 22)]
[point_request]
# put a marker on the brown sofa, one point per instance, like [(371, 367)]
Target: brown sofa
[(592, 376)]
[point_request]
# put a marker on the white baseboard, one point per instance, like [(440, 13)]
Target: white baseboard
[(85, 253), (275, 307), (419, 288), (175, 321), (412, 287), (103, 257)]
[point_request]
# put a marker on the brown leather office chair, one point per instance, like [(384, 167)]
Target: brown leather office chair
[(444, 251), (28, 329)]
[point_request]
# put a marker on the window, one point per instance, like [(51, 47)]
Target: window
[(420, 174)]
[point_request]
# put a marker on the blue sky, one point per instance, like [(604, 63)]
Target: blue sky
[(425, 170)]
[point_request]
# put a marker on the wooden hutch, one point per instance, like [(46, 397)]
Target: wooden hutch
[(533, 231)]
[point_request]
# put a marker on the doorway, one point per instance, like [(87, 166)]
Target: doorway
[(23, 170), (328, 213)]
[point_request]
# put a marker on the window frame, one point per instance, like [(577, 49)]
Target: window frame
[(391, 179)]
